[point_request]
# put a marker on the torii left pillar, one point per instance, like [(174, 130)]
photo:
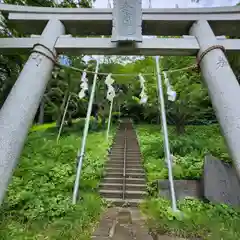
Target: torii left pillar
[(20, 107)]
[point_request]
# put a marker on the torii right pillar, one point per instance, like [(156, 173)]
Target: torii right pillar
[(223, 88)]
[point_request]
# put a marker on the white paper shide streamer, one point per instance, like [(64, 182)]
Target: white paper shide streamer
[(83, 85), (143, 94), (111, 91), (170, 92)]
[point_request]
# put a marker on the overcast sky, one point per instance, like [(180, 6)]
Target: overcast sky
[(172, 3)]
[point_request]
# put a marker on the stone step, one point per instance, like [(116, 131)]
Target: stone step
[(111, 186), (134, 170), (128, 175), (114, 170), (120, 169), (131, 152), (130, 164), (114, 174), (120, 160), (120, 202), (119, 194), (132, 148), (119, 186), (136, 165), (128, 160), (128, 151), (113, 153), (128, 180), (120, 165)]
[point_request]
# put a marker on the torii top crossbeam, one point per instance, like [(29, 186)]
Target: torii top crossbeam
[(84, 21), (89, 22)]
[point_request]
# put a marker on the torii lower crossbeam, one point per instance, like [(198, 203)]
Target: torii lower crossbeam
[(104, 46)]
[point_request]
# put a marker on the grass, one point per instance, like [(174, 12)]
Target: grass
[(201, 219), (38, 202), (38, 127)]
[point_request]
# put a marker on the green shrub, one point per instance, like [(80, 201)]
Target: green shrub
[(196, 219), (200, 220), (38, 204), (188, 150)]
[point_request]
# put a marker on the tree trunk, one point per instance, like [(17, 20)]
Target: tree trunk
[(69, 121), (180, 128)]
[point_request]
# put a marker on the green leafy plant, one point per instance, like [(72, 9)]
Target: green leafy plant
[(38, 202), (188, 150), (197, 219)]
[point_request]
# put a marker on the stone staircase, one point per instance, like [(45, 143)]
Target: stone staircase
[(124, 183)]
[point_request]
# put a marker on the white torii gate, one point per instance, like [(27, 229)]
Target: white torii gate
[(126, 23)]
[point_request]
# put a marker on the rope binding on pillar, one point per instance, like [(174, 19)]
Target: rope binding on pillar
[(209, 49)]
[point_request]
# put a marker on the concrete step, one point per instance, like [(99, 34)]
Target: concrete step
[(114, 174), (121, 154), (120, 164), (113, 149), (128, 175), (131, 161), (135, 175), (128, 162), (119, 193), (116, 152), (128, 180), (134, 166), (132, 146), (118, 157), (139, 187), (111, 186), (120, 202), (119, 160), (114, 169), (128, 159), (120, 169), (119, 186), (130, 155), (137, 152), (129, 151), (114, 164), (134, 170)]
